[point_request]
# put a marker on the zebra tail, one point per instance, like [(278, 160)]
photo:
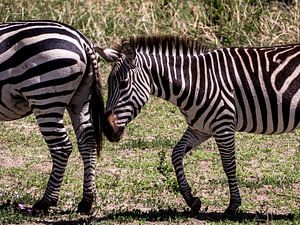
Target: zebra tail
[(97, 113), (97, 103)]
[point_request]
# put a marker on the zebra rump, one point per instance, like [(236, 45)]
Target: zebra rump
[(47, 67)]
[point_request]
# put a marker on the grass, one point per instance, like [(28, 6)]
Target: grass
[(136, 182)]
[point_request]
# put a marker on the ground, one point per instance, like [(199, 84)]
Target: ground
[(136, 182)]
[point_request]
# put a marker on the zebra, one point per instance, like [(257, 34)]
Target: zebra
[(45, 68), (219, 92)]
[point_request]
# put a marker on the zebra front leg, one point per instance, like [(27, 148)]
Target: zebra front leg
[(55, 135), (226, 146), (189, 140)]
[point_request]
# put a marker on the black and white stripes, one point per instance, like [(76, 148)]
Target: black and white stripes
[(45, 68), (219, 92)]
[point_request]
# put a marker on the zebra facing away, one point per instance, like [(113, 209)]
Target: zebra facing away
[(45, 68), (255, 90)]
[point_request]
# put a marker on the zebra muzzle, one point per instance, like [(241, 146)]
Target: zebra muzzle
[(112, 131)]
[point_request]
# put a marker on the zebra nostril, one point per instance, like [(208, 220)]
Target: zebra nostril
[(111, 118), (113, 132)]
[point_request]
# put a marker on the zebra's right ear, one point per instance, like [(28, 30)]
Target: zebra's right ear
[(128, 50), (109, 54)]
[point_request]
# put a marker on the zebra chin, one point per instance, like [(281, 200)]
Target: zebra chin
[(116, 135), (112, 132)]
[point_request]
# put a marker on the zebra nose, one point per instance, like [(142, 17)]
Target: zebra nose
[(111, 118), (112, 132)]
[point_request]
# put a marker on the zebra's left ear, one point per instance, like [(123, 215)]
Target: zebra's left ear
[(128, 50), (109, 54)]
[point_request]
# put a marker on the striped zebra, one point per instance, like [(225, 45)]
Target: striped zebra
[(45, 68), (219, 92)]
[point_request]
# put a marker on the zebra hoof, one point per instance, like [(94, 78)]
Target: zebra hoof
[(195, 205), (85, 207), (42, 206), (231, 211), (233, 208)]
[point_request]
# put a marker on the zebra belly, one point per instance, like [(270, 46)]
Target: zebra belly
[(286, 120)]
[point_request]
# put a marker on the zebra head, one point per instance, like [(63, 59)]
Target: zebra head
[(128, 89)]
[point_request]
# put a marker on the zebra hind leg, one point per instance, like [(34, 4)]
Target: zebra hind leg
[(87, 148), (226, 145), (51, 195), (52, 128), (189, 140), (79, 113)]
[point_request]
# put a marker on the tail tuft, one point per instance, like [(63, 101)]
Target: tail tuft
[(97, 103)]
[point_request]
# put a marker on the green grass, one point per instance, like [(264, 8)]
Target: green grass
[(136, 182)]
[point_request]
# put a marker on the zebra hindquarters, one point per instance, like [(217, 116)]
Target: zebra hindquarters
[(48, 101)]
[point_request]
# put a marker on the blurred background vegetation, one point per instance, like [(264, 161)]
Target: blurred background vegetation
[(216, 22)]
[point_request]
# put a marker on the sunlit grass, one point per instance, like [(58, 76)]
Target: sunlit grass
[(135, 178)]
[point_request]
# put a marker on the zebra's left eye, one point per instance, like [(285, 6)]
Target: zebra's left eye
[(123, 84)]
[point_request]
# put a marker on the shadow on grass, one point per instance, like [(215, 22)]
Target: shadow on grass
[(173, 214), (166, 215)]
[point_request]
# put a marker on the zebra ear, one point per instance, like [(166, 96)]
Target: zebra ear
[(109, 54), (128, 50)]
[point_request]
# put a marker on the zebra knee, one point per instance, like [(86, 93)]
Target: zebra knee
[(177, 156), (61, 152)]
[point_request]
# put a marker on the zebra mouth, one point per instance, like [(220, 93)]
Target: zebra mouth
[(118, 134), (112, 132)]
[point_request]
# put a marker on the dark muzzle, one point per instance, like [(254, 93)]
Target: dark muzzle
[(112, 132)]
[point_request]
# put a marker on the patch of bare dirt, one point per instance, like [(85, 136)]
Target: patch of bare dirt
[(8, 159)]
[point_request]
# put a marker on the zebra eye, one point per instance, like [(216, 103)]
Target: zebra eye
[(123, 84)]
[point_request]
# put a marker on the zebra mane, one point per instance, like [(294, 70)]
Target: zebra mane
[(141, 43)]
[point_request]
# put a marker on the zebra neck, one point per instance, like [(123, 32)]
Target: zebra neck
[(170, 77)]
